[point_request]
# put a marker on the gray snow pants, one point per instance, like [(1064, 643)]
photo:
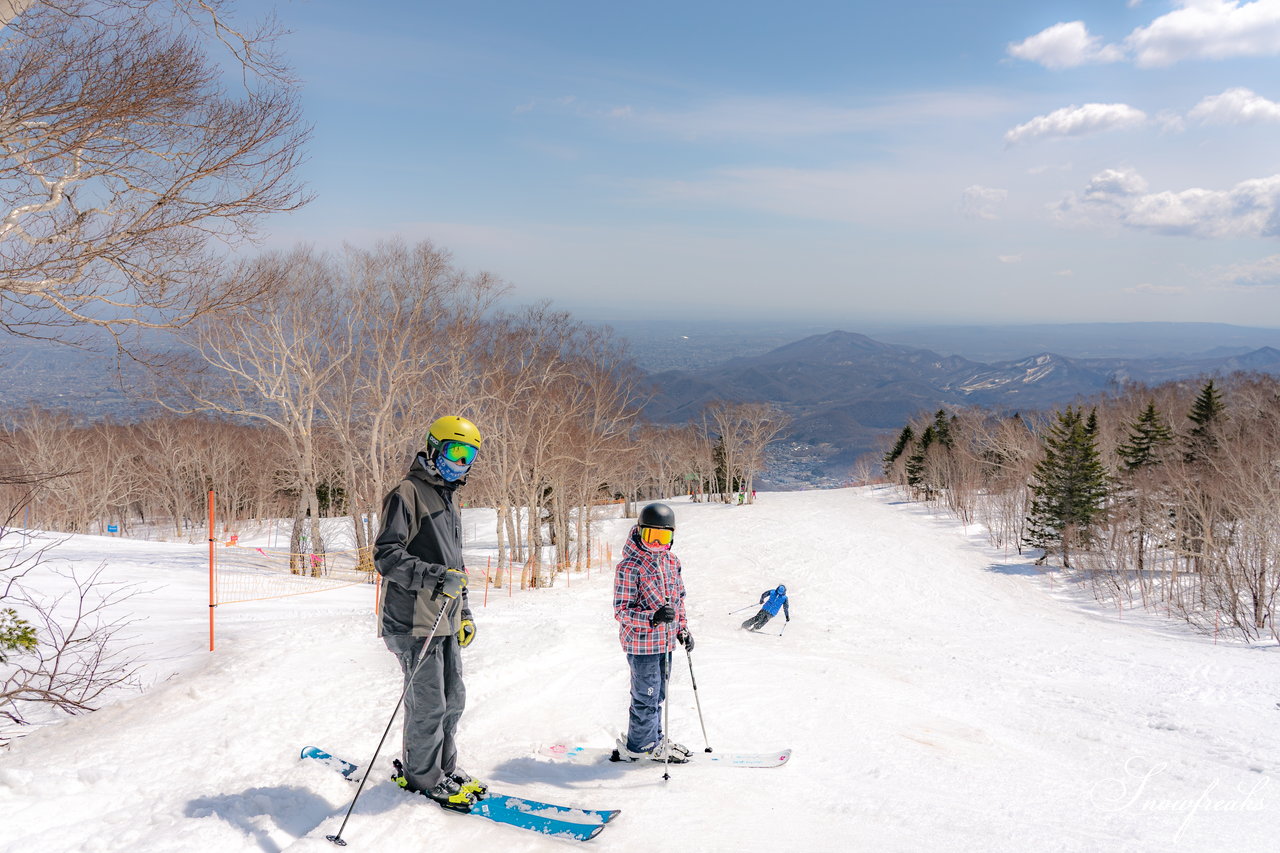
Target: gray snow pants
[(432, 707)]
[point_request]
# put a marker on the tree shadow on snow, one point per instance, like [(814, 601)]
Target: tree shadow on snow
[(292, 811), (1025, 570)]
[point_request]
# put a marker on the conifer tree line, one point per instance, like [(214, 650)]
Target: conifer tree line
[(311, 401), (1165, 496)]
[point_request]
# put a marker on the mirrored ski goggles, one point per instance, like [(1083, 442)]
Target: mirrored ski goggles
[(656, 537), (458, 452)]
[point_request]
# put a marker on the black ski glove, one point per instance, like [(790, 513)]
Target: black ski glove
[(665, 613), (686, 639)]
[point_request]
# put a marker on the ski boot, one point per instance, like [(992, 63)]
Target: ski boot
[(664, 751), (671, 752), (469, 784), (447, 793)]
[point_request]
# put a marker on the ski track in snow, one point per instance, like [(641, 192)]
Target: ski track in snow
[(937, 694)]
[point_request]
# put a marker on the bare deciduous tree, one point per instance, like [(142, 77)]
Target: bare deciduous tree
[(124, 162)]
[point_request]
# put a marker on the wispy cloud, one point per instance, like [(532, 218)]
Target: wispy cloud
[(539, 104), (1157, 289), (979, 202), (1260, 273), (1249, 209), (806, 117), (1009, 259), (1235, 106), (1077, 121), (1196, 29)]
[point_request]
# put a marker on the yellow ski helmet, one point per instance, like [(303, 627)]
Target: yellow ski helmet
[(453, 428)]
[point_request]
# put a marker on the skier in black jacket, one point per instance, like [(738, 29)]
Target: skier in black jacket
[(418, 553)]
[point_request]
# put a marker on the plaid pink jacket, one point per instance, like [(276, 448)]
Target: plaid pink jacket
[(645, 580)]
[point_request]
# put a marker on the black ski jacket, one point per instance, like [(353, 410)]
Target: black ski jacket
[(421, 537)]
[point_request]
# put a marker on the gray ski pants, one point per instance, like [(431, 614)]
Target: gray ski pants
[(432, 707)]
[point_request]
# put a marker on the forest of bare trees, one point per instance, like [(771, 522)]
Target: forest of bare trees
[(1166, 497), (140, 140), (311, 401)]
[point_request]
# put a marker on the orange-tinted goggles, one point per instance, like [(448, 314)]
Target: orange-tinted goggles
[(656, 537)]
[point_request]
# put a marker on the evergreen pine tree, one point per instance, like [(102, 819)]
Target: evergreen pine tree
[(918, 460), (1143, 448), (942, 428), (1148, 436), (905, 438), (1206, 414), (16, 634), (1069, 487)]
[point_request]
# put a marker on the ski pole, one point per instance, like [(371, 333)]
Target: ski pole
[(696, 701), (666, 713), (422, 656), (784, 627), (740, 609)]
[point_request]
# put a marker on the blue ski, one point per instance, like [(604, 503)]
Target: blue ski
[(547, 818)]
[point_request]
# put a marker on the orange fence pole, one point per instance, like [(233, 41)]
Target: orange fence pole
[(212, 601)]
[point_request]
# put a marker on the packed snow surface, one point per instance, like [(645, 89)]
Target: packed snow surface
[(937, 695)]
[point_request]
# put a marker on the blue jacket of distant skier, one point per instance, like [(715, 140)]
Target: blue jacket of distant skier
[(777, 600)]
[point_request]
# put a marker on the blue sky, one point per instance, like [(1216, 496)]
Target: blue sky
[(860, 163)]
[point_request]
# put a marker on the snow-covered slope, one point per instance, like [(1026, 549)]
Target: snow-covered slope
[(937, 696)]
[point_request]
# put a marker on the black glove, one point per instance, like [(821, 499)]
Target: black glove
[(665, 613), (686, 639)]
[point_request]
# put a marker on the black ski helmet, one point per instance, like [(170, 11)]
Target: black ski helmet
[(657, 515)]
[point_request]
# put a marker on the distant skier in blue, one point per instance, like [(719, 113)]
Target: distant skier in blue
[(771, 600)]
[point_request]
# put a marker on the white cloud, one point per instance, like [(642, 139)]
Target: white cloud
[(1077, 121), (1261, 273), (1065, 45), (1196, 29), (1157, 289), (1249, 209), (1235, 106), (1009, 259), (1208, 29), (1111, 183), (979, 202)]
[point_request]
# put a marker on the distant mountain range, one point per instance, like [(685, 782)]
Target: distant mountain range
[(847, 390)]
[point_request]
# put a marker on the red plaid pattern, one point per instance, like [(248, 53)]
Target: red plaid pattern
[(644, 581)]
